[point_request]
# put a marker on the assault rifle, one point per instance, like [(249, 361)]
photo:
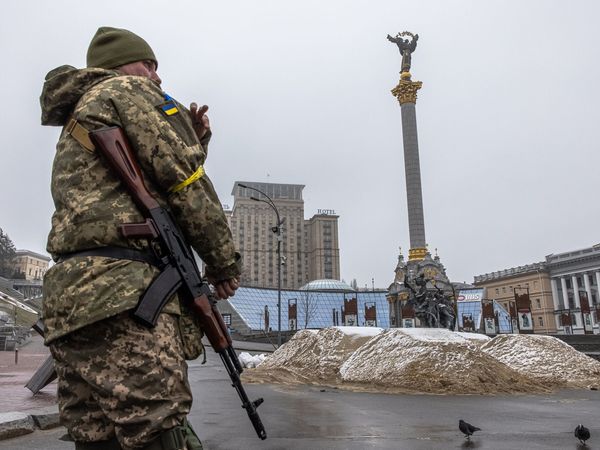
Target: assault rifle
[(180, 272)]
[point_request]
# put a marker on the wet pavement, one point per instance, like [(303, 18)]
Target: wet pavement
[(14, 396), (310, 417), (15, 373)]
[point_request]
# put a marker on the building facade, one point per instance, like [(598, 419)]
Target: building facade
[(523, 290), (563, 290), (322, 250), (575, 281), (31, 265), (309, 248)]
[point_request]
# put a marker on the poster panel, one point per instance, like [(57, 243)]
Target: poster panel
[(490, 325), (587, 323), (525, 321), (468, 324), (292, 324), (350, 320)]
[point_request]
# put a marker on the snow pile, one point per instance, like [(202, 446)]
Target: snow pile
[(440, 335), (546, 359), (293, 362), (249, 361), (433, 361), (475, 338), (312, 356), (336, 344), (426, 360)]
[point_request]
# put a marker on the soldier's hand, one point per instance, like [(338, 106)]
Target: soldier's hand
[(226, 288), (200, 119)]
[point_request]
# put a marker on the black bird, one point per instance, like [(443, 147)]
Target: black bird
[(582, 433), (466, 428)]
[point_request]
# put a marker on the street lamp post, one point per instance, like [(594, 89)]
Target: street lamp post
[(277, 230)]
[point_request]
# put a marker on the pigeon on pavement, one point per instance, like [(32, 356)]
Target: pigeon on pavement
[(582, 433), (467, 429)]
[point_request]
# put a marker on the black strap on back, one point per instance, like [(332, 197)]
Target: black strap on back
[(157, 294), (116, 253)]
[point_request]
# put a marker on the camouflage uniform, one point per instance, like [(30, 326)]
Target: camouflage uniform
[(90, 202)]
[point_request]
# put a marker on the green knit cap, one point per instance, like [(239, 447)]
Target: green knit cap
[(114, 47)]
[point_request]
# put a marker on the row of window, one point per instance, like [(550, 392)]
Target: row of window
[(510, 289), (536, 305), (35, 262), (275, 191), (580, 281)]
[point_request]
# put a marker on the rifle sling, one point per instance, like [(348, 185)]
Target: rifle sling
[(116, 253), (157, 294), (80, 134)]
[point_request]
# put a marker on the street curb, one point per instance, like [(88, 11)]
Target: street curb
[(45, 418), (13, 424)]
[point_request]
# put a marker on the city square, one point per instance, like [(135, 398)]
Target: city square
[(378, 259), (328, 418)]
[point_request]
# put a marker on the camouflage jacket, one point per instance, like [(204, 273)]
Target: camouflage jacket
[(90, 201)]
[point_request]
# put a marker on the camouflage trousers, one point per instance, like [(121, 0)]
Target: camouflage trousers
[(117, 378)]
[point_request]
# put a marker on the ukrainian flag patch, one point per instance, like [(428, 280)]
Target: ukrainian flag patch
[(169, 107)]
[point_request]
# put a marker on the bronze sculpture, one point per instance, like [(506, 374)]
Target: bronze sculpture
[(434, 309), (405, 46)]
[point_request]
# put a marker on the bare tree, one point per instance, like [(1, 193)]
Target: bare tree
[(307, 307)]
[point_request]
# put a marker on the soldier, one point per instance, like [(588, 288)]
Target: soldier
[(122, 385)]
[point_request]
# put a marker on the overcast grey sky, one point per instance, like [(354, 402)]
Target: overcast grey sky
[(299, 92)]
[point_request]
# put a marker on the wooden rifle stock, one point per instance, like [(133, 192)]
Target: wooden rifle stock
[(219, 339), (114, 145)]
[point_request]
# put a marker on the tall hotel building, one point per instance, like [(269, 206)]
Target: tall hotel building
[(309, 249)]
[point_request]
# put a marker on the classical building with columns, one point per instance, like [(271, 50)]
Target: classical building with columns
[(575, 277), (562, 290)]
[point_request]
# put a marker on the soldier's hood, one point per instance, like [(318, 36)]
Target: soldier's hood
[(63, 87)]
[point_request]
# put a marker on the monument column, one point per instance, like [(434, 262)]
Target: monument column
[(426, 296), (406, 93)]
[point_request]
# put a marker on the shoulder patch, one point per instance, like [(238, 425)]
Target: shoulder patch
[(169, 107)]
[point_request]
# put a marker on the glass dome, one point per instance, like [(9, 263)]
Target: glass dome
[(327, 285)]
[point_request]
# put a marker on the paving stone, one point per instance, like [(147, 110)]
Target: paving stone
[(45, 418), (14, 424)]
